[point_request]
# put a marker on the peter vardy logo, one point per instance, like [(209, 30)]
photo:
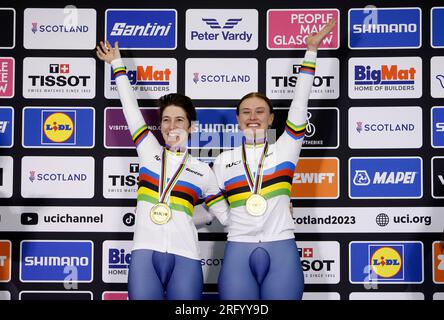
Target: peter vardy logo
[(56, 261), (382, 28), (385, 178), (58, 128), (386, 262), (221, 29), (142, 29)]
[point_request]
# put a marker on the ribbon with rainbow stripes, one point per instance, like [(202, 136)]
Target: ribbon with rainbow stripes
[(165, 192), (254, 183)]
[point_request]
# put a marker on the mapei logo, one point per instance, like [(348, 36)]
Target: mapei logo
[(389, 77), (383, 28), (221, 29), (5, 260), (438, 262), (6, 127), (56, 261), (58, 128), (437, 116), (389, 178), (142, 29), (386, 262)]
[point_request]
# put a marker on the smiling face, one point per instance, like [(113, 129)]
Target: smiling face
[(254, 116), (175, 126)]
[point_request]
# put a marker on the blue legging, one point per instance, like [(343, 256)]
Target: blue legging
[(261, 271), (157, 275)]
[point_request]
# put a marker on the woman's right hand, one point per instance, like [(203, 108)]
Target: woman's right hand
[(107, 53)]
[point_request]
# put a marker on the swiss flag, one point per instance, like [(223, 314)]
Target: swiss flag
[(307, 252)]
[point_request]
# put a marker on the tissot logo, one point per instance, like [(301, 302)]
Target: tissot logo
[(120, 177)]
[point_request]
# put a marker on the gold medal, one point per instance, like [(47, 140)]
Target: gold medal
[(256, 205), (160, 213)]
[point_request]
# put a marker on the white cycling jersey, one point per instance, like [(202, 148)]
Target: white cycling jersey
[(278, 169), (196, 181)]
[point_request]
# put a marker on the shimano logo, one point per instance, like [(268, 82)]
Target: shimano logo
[(385, 28), (195, 172), (218, 127), (3, 126), (56, 261), (148, 30)]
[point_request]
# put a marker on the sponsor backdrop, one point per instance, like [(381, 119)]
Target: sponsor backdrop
[(367, 193)]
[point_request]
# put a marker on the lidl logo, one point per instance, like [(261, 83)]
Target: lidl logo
[(57, 127), (386, 262), (385, 177), (382, 28)]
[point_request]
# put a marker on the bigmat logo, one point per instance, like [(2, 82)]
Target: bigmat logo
[(384, 28), (116, 258), (5, 260), (384, 127), (438, 177), (59, 78), (282, 76), (49, 127), (58, 177), (6, 127), (149, 78), (116, 129), (386, 296), (385, 78), (6, 176), (142, 29), (56, 295), (437, 77), (438, 262), (7, 25), (320, 261), (289, 28), (7, 72), (437, 125), (120, 177), (220, 78), (437, 25), (67, 28), (321, 296), (316, 178), (56, 261), (227, 29), (386, 262), (385, 178)]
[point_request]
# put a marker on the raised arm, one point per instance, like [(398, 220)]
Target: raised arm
[(133, 116), (295, 126)]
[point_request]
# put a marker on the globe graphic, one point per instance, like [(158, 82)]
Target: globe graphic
[(382, 219)]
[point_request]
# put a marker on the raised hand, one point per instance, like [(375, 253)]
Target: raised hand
[(107, 53), (314, 39)]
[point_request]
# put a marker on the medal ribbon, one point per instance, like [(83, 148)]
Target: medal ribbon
[(255, 183), (164, 192)]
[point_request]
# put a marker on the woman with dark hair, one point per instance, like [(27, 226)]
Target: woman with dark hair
[(165, 261), (261, 259)]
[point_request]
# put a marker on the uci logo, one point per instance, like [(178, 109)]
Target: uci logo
[(58, 127), (386, 262)]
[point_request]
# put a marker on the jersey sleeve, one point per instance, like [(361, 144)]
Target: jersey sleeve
[(140, 133), (297, 115), (214, 198)]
